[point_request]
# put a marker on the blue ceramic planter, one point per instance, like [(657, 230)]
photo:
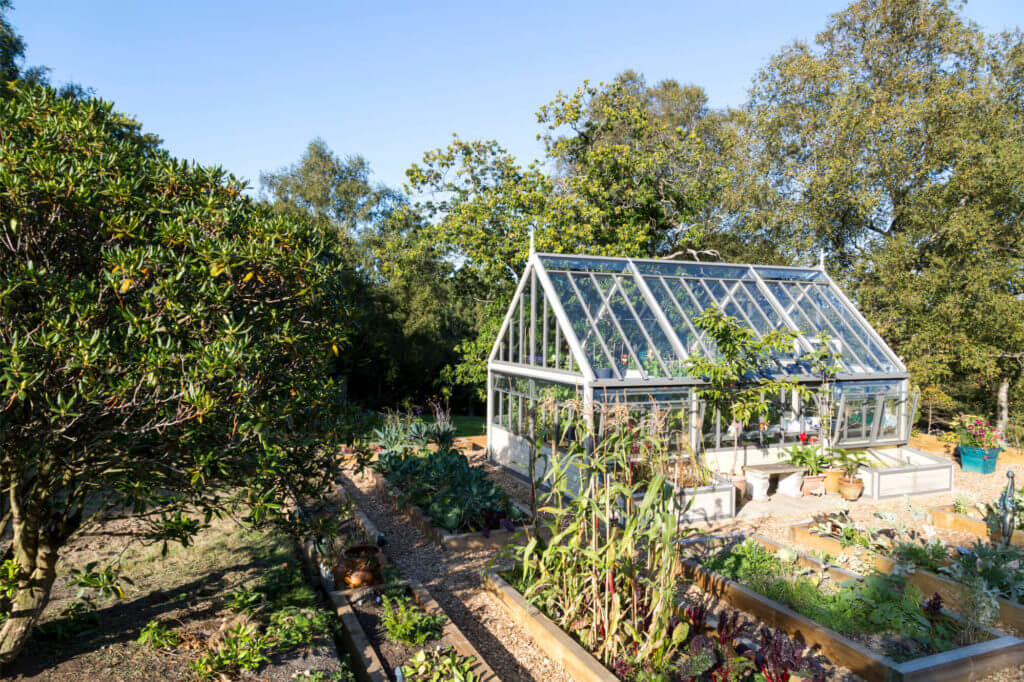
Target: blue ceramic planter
[(978, 460)]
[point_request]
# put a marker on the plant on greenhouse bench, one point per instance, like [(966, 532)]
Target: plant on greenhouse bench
[(737, 381), (443, 664), (170, 347), (607, 573), (809, 457)]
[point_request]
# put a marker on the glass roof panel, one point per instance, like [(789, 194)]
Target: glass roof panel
[(671, 268), (789, 273), (635, 319), (585, 264)]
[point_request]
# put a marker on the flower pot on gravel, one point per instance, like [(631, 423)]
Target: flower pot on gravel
[(360, 566), (832, 477), (851, 488), (978, 460), (812, 485)]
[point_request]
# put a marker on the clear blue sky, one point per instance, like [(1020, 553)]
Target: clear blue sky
[(248, 84)]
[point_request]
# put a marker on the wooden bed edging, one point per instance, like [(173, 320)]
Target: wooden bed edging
[(361, 648), (945, 517), (551, 639), (963, 663), (1011, 614), (457, 542)]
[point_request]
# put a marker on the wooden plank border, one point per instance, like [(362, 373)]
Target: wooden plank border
[(457, 542), (963, 663), (551, 639), (945, 517), (361, 648)]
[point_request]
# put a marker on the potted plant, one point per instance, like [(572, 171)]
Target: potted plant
[(850, 487), (813, 461), (979, 444)]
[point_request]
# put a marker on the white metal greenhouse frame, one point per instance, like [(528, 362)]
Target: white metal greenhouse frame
[(622, 329)]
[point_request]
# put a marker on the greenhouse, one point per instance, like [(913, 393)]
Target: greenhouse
[(583, 333)]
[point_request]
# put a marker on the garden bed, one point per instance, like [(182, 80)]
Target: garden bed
[(1011, 615), (550, 638), (964, 662), (709, 503), (484, 539), (895, 472), (946, 517), (379, 656)]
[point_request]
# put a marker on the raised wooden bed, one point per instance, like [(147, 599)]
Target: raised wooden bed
[(910, 471), (964, 663), (945, 517), (1011, 614), (458, 542), (359, 644), (551, 639)]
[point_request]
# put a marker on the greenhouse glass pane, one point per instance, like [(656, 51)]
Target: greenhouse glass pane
[(580, 324), (651, 325), (872, 361), (680, 269), (789, 274), (687, 337), (578, 264), (885, 358), (752, 310), (601, 313)]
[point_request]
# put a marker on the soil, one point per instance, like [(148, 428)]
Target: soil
[(392, 654)]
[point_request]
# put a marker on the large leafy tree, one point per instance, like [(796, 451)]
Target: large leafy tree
[(895, 142), (630, 171), (168, 347)]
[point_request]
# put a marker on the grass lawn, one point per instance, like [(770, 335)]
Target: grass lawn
[(469, 426), (190, 592)]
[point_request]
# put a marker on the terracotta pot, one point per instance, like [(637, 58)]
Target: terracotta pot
[(832, 477), (360, 564), (851, 488), (812, 484)]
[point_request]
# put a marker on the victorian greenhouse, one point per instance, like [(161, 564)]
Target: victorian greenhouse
[(584, 333)]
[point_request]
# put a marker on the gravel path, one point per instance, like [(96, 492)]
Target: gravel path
[(454, 581)]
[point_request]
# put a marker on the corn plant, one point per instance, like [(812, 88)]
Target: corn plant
[(607, 573)]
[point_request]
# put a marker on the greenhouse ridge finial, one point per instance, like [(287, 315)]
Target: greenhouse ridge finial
[(531, 239), (821, 259)]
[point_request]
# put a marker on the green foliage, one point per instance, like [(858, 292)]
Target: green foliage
[(998, 567), (158, 635), (456, 496), (877, 603), (931, 556), (407, 623), (292, 627), (439, 665), (810, 457), (609, 562), (343, 675), (106, 582), (243, 599), (76, 618), (170, 346), (243, 648)]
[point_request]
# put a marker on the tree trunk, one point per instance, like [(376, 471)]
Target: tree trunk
[(1003, 399), (37, 565)]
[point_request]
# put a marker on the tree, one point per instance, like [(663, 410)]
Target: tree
[(635, 174), (896, 144), (169, 348), (738, 381)]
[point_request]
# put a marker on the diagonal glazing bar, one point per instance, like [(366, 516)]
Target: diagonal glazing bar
[(659, 315), (781, 311), (823, 302), (593, 326), (611, 315), (564, 324), (643, 330), (682, 313), (848, 331), (794, 303)]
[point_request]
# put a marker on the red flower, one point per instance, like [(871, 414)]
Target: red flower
[(803, 437)]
